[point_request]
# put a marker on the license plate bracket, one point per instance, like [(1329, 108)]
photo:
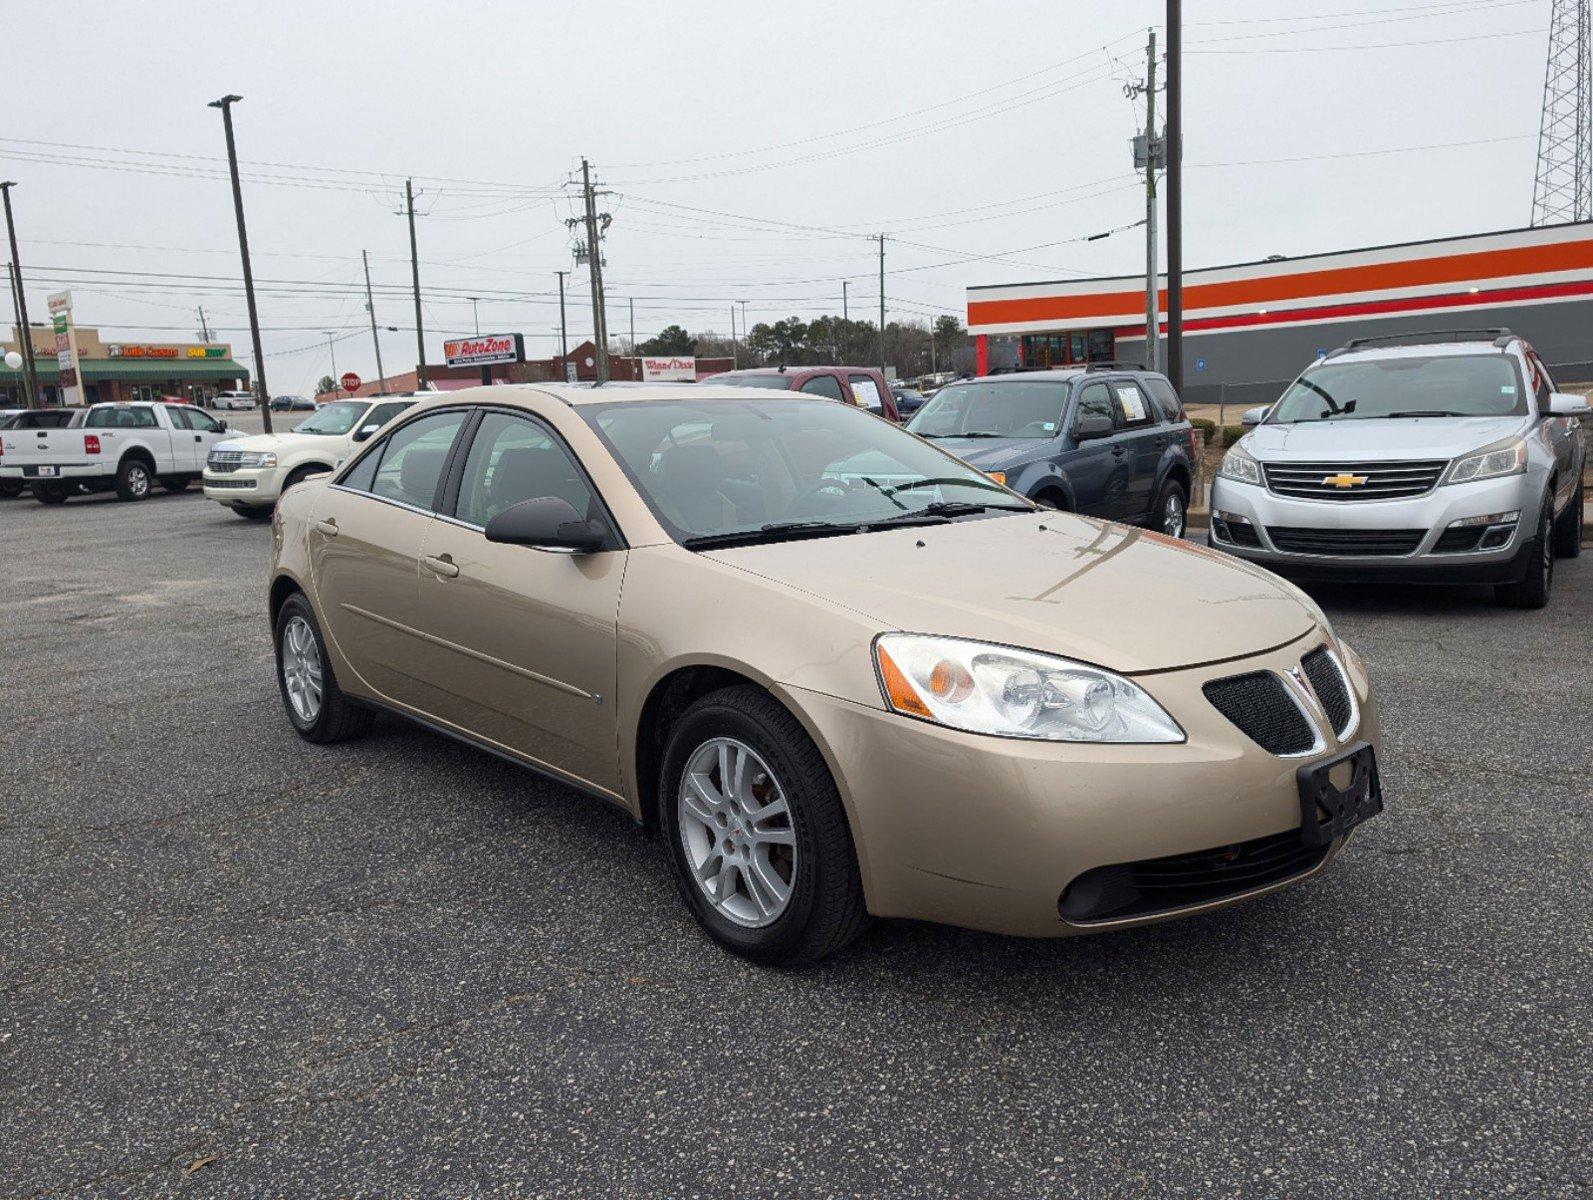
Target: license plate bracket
[(42, 472), (1328, 811)]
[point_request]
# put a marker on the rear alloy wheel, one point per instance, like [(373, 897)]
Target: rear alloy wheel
[(11, 488), (316, 705), (1171, 514), (133, 480), (756, 833), (1568, 529), (1532, 589), (50, 493)]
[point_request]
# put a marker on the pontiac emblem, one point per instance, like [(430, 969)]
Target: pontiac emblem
[(1344, 480)]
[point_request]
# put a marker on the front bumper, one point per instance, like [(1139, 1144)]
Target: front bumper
[(1500, 558), (245, 486), (988, 832)]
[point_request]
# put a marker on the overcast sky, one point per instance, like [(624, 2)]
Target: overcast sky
[(751, 151)]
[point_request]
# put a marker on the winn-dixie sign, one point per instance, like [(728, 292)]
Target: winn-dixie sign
[(484, 351), (667, 370)]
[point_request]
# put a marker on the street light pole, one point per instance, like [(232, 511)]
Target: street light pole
[(264, 396), (564, 331), (30, 369)]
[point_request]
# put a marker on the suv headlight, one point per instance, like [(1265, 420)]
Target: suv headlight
[(1508, 457), (257, 458), (1238, 465), (998, 690)]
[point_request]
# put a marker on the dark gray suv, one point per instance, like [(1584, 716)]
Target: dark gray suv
[(1106, 440)]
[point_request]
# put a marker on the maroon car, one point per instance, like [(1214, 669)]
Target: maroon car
[(865, 387)]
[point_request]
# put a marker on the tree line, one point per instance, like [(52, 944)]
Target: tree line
[(913, 347)]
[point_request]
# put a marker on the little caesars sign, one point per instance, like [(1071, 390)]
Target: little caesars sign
[(669, 370), (486, 351)]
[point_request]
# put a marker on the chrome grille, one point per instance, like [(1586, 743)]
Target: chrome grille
[(1382, 480), (223, 461), (236, 484)]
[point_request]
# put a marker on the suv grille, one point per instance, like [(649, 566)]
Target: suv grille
[(223, 461), (1328, 684), (1386, 542), (1155, 885), (1383, 480), (1260, 705)]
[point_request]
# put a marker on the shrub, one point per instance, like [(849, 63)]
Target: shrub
[(1205, 424), (1231, 434)]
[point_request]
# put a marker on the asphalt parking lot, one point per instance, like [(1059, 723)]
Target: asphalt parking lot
[(232, 963)]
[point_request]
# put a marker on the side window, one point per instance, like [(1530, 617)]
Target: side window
[(824, 385), (1095, 401), (1131, 401), (1542, 385), (202, 422), (364, 472), (866, 393), (1164, 398), (513, 459), (179, 418), (379, 414), (413, 461)]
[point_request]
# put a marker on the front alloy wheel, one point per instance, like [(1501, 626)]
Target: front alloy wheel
[(735, 826), (301, 670)]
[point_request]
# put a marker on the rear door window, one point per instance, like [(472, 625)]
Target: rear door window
[(824, 385), (866, 392), (115, 417), (1133, 405)]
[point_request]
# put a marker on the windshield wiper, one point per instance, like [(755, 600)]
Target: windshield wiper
[(775, 531), (1434, 412), (977, 433), (946, 482), (944, 510)]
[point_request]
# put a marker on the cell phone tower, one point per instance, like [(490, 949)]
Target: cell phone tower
[(1562, 189)]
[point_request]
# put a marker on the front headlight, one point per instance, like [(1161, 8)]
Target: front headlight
[(257, 458), (982, 688), (1508, 457), (1238, 465)]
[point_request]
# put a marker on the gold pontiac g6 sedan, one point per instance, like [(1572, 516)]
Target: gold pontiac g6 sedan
[(845, 673)]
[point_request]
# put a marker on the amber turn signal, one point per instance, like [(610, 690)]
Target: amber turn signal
[(897, 690)]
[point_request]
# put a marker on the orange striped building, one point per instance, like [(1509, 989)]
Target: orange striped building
[(1250, 328)]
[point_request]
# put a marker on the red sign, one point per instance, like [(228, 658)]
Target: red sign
[(350, 381)]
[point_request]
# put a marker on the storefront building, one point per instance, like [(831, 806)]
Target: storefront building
[(1250, 329), (127, 370)]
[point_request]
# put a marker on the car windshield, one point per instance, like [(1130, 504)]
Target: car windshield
[(775, 382), (991, 408), (333, 419), (1443, 385), (728, 471)]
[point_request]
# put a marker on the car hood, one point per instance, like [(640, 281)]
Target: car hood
[(1116, 596), (1369, 441), (989, 454), (279, 443)]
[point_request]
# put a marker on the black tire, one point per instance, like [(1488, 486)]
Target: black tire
[(254, 512), (175, 483), (1053, 500), (1568, 529), (50, 493), (338, 718), (826, 910), (1172, 494), (134, 479), (1532, 589), (300, 475), (11, 488)]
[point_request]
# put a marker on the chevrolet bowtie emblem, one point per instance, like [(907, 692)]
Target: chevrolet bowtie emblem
[(1345, 480)]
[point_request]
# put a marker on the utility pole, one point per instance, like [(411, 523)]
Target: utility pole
[(735, 346), (376, 342), (414, 268), (564, 333), (882, 304), (475, 313), (22, 330), (1175, 196), (634, 373), (264, 397), (30, 370), (594, 262), (331, 347), (846, 326), (204, 328), (1152, 145)]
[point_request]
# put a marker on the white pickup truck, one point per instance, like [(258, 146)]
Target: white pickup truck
[(125, 447)]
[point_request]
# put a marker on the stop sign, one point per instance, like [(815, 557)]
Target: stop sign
[(350, 381)]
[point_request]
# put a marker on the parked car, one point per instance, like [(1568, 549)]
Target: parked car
[(1430, 458), (126, 447), (1106, 441), (865, 387), (908, 401), (292, 404), (232, 401), (249, 474), (835, 697)]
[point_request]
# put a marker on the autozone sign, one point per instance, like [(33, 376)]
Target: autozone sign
[(669, 370), (484, 351)]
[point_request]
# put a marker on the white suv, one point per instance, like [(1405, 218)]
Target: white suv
[(1430, 458), (234, 400), (248, 474)]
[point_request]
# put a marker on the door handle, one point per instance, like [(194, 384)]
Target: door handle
[(1118, 452), (328, 527), (440, 566)]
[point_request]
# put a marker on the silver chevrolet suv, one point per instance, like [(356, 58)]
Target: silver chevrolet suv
[(1429, 458)]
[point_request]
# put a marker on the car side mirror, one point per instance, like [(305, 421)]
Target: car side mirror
[(366, 432), (547, 523), (1254, 416), (1092, 425), (1566, 404), (222, 425)]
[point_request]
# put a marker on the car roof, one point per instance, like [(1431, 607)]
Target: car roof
[(1419, 350), (579, 395), (788, 370)]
